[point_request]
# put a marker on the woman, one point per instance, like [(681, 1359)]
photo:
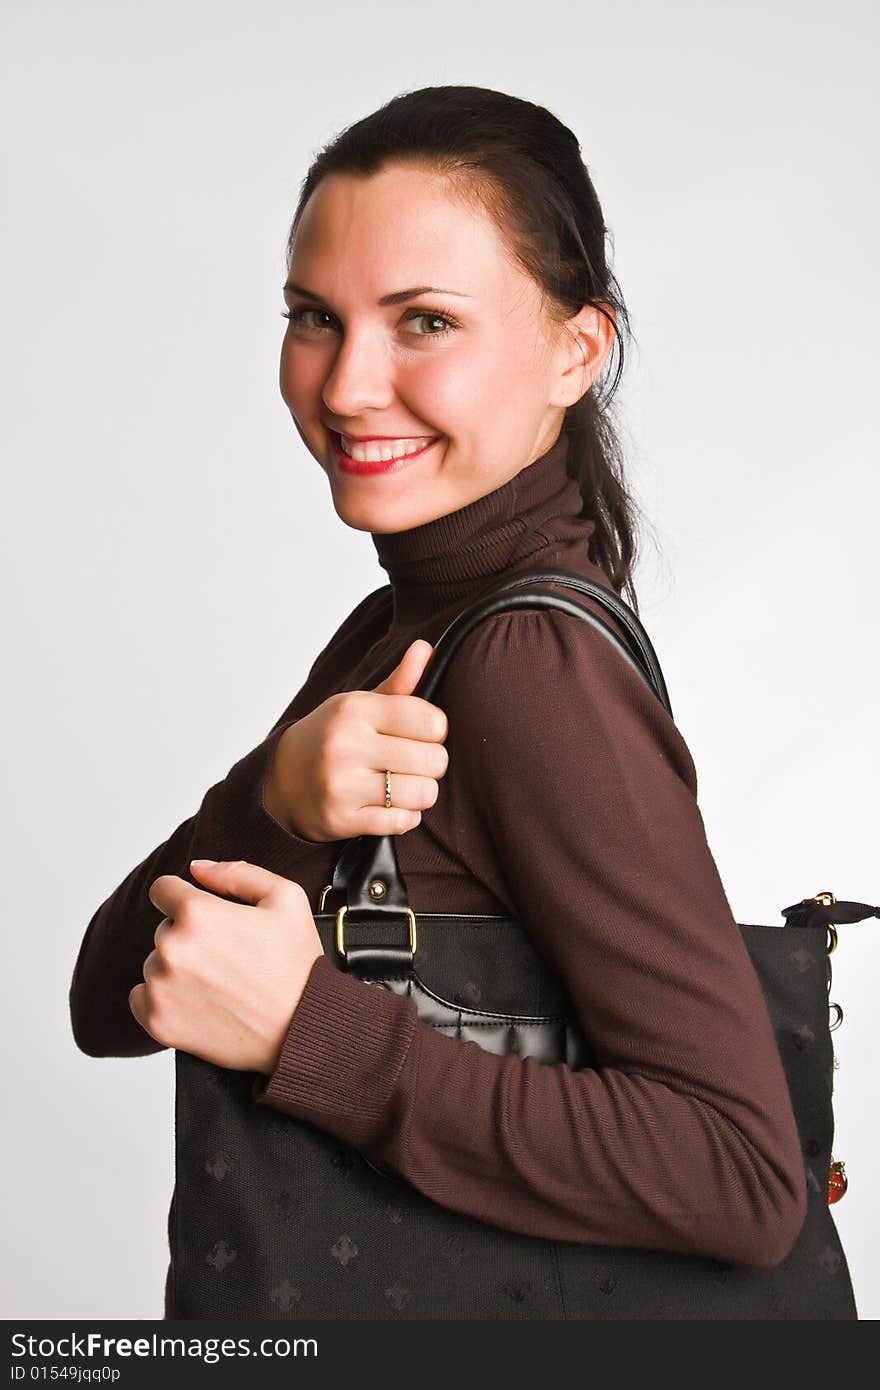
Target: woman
[(448, 295)]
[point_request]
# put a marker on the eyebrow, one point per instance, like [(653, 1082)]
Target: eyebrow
[(398, 297)]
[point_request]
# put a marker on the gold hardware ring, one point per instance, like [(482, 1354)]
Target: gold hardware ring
[(340, 935), (826, 899)]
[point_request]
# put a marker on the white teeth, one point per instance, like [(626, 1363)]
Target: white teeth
[(382, 452)]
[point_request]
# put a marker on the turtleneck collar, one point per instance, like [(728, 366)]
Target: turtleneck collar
[(433, 565)]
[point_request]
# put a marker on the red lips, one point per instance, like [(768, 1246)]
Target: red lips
[(367, 467)]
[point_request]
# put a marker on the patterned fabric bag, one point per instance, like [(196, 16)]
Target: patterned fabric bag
[(242, 1254)]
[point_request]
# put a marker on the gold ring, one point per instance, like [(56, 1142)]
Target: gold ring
[(387, 788)]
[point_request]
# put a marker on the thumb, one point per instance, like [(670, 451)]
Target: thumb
[(250, 882), (408, 671)]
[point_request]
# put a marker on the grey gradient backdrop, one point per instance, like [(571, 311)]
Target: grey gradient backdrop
[(172, 561)]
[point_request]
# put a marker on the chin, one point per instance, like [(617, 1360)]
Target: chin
[(378, 515), (375, 519), (368, 505)]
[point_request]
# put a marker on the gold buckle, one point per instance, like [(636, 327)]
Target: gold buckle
[(826, 899), (340, 935)]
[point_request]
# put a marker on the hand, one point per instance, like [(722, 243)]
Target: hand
[(327, 780), (225, 978)]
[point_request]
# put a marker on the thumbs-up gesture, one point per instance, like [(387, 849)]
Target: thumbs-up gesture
[(327, 781)]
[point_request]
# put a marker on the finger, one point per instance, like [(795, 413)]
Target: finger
[(407, 757), (381, 820), (168, 892), (163, 928), (407, 793), (408, 671), (250, 882), (137, 1002), (408, 716), (152, 966)]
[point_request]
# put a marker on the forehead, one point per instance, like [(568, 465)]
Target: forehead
[(401, 226)]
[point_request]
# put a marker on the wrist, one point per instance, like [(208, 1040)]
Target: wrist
[(272, 791)]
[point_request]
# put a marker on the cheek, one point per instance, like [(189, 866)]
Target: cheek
[(453, 389), (300, 377), (505, 361)]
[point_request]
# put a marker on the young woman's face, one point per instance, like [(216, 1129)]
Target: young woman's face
[(470, 363)]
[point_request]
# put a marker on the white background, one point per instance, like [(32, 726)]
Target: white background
[(173, 562)]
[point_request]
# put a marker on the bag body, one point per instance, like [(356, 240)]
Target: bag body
[(273, 1218), (276, 1219)]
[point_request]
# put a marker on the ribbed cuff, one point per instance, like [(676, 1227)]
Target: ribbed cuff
[(341, 1059)]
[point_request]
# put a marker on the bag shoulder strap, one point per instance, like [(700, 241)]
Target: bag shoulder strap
[(366, 859), (524, 591)]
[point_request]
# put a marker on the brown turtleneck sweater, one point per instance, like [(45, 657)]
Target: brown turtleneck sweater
[(570, 802)]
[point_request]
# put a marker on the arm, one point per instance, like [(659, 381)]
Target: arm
[(572, 785), (234, 812), (121, 933)]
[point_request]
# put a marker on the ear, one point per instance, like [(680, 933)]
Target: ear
[(587, 341)]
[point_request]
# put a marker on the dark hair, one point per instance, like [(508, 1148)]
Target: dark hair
[(523, 166)]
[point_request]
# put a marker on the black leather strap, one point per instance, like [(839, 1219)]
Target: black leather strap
[(367, 880), (809, 913), (525, 591)]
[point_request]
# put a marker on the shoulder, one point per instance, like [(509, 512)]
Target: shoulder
[(539, 685), (367, 621)]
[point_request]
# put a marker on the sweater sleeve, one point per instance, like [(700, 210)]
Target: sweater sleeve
[(569, 780), (121, 933)]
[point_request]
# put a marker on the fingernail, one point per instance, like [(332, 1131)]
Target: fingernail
[(209, 862)]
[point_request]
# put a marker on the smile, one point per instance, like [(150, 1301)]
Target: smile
[(381, 450), (379, 456)]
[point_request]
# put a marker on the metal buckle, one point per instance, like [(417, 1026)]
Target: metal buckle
[(340, 934), (826, 899)]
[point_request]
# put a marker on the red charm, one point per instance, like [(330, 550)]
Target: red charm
[(837, 1183)]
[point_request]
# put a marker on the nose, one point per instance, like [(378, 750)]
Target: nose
[(360, 379)]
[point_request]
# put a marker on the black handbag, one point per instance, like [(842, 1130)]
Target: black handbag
[(291, 1255)]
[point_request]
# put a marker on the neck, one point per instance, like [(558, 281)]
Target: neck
[(523, 523)]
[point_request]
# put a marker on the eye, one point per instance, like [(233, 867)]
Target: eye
[(431, 315), (298, 316)]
